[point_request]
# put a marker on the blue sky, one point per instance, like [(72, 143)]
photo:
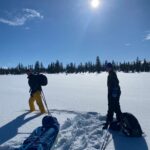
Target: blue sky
[(73, 31)]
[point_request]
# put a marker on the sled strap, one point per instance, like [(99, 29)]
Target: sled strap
[(44, 99)]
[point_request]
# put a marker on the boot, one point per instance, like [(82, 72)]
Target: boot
[(105, 126)]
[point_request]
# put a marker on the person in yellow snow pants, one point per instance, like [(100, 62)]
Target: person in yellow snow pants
[(36, 97), (35, 92)]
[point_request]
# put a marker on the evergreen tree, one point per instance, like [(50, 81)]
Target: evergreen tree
[(138, 65), (37, 67), (81, 68), (98, 65), (57, 67), (71, 68)]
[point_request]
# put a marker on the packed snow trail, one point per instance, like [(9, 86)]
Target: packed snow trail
[(83, 132)]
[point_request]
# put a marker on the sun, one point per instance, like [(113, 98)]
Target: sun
[(95, 3)]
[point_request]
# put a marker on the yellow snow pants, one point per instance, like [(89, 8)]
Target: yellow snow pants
[(36, 97)]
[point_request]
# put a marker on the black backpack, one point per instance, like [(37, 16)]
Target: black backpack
[(130, 125), (42, 79)]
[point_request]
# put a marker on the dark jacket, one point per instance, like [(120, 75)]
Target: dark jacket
[(113, 84), (34, 83)]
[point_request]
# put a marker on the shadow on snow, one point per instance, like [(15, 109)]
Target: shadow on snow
[(10, 130), (122, 142)]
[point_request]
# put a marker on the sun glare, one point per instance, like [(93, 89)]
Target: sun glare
[(95, 3)]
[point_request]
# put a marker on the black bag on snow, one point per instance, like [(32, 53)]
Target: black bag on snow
[(130, 125), (42, 79), (43, 137)]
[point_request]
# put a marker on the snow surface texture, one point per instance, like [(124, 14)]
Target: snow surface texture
[(79, 101), (82, 132)]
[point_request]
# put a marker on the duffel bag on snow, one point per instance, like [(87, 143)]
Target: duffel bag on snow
[(42, 138), (130, 125)]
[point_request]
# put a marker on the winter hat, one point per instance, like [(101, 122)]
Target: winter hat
[(109, 65), (48, 121), (29, 72)]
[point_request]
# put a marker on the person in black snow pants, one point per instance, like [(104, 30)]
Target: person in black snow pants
[(114, 93)]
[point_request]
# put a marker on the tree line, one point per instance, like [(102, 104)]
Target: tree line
[(58, 67)]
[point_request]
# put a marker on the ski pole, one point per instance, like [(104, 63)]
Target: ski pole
[(106, 139), (43, 97)]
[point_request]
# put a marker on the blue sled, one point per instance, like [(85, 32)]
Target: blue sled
[(42, 138)]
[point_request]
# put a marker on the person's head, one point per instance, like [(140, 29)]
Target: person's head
[(29, 72), (109, 67)]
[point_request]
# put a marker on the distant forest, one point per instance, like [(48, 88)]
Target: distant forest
[(98, 67)]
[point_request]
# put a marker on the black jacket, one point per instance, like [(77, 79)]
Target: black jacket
[(34, 83), (113, 83)]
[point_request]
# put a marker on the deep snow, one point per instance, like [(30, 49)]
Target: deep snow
[(79, 101)]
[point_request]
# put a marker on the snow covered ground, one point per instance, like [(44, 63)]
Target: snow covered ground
[(79, 101)]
